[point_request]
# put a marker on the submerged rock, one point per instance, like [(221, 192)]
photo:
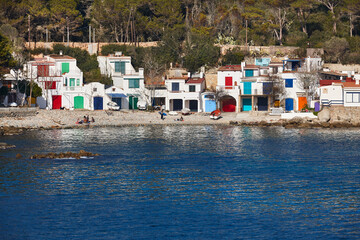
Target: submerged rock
[(6, 146), (52, 155)]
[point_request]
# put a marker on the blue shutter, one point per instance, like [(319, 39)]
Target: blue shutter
[(117, 66), (267, 88), (289, 83), (175, 87), (249, 73)]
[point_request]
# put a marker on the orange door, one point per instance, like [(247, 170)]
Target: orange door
[(302, 102)]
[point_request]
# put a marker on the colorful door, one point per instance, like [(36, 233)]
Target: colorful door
[(193, 105), (65, 67), (228, 82), (289, 104), (302, 102), (247, 104), (133, 102), (98, 103), (56, 101), (177, 104), (262, 103), (247, 88), (78, 102), (210, 105), (229, 105)]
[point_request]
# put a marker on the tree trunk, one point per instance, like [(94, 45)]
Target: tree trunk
[(351, 24), (187, 24)]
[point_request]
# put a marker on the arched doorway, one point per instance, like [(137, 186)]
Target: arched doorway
[(228, 104)]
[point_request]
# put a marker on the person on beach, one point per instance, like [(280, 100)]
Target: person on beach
[(79, 121), (162, 114), (92, 119)]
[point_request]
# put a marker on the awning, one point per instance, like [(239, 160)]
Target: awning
[(116, 95)]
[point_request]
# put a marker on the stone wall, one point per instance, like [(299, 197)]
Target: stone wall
[(94, 48), (18, 112), (348, 114), (340, 67)]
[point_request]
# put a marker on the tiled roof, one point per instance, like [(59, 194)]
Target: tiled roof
[(251, 67), (195, 80), (61, 57), (230, 68), (351, 85)]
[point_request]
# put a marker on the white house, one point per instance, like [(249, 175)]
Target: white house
[(229, 78), (124, 77), (185, 92)]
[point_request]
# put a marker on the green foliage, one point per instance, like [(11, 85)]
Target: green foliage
[(335, 48), (297, 38), (200, 52), (24, 87), (94, 75), (112, 48), (233, 56), (6, 59)]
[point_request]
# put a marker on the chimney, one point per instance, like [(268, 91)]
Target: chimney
[(61, 53), (118, 54), (189, 74), (357, 79), (201, 74)]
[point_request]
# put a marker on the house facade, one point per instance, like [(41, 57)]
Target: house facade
[(124, 77)]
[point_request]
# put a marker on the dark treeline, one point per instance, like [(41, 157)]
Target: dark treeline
[(269, 22)]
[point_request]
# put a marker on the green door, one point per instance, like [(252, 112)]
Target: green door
[(64, 68), (72, 82), (133, 102), (79, 102)]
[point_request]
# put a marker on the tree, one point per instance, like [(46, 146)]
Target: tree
[(308, 79), (275, 88), (219, 93), (200, 52), (352, 8), (332, 7), (335, 48), (303, 10), (6, 59), (279, 10), (233, 56)]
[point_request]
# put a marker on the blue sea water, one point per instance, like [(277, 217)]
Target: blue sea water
[(183, 182)]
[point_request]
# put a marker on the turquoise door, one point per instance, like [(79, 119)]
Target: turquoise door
[(247, 88), (247, 104)]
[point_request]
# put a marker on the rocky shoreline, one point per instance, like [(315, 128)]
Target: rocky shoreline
[(65, 155)]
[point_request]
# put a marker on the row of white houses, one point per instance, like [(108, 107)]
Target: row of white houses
[(242, 87)]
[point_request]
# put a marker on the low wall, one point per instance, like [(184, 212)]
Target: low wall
[(18, 112), (301, 114), (339, 67)]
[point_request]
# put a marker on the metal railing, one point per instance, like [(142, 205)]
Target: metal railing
[(327, 102)]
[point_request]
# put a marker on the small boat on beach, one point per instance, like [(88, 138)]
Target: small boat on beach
[(215, 115)]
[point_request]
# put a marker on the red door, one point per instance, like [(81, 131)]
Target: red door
[(56, 101), (228, 82)]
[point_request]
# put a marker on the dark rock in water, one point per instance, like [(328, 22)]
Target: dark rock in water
[(18, 156), (52, 155), (6, 146), (10, 131)]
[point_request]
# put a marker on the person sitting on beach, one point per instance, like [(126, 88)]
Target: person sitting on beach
[(85, 120), (79, 121), (92, 119)]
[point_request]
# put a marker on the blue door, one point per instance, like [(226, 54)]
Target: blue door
[(289, 104), (262, 103), (210, 105), (98, 103), (247, 106)]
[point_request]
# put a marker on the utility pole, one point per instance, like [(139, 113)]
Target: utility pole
[(68, 35), (89, 34), (94, 35), (29, 29), (246, 38)]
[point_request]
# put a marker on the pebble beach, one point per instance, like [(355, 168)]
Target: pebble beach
[(67, 119)]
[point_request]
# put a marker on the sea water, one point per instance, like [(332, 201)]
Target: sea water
[(183, 182)]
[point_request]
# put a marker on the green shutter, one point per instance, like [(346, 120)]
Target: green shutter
[(72, 82), (122, 67), (135, 102), (64, 68), (77, 82), (134, 83), (117, 66)]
